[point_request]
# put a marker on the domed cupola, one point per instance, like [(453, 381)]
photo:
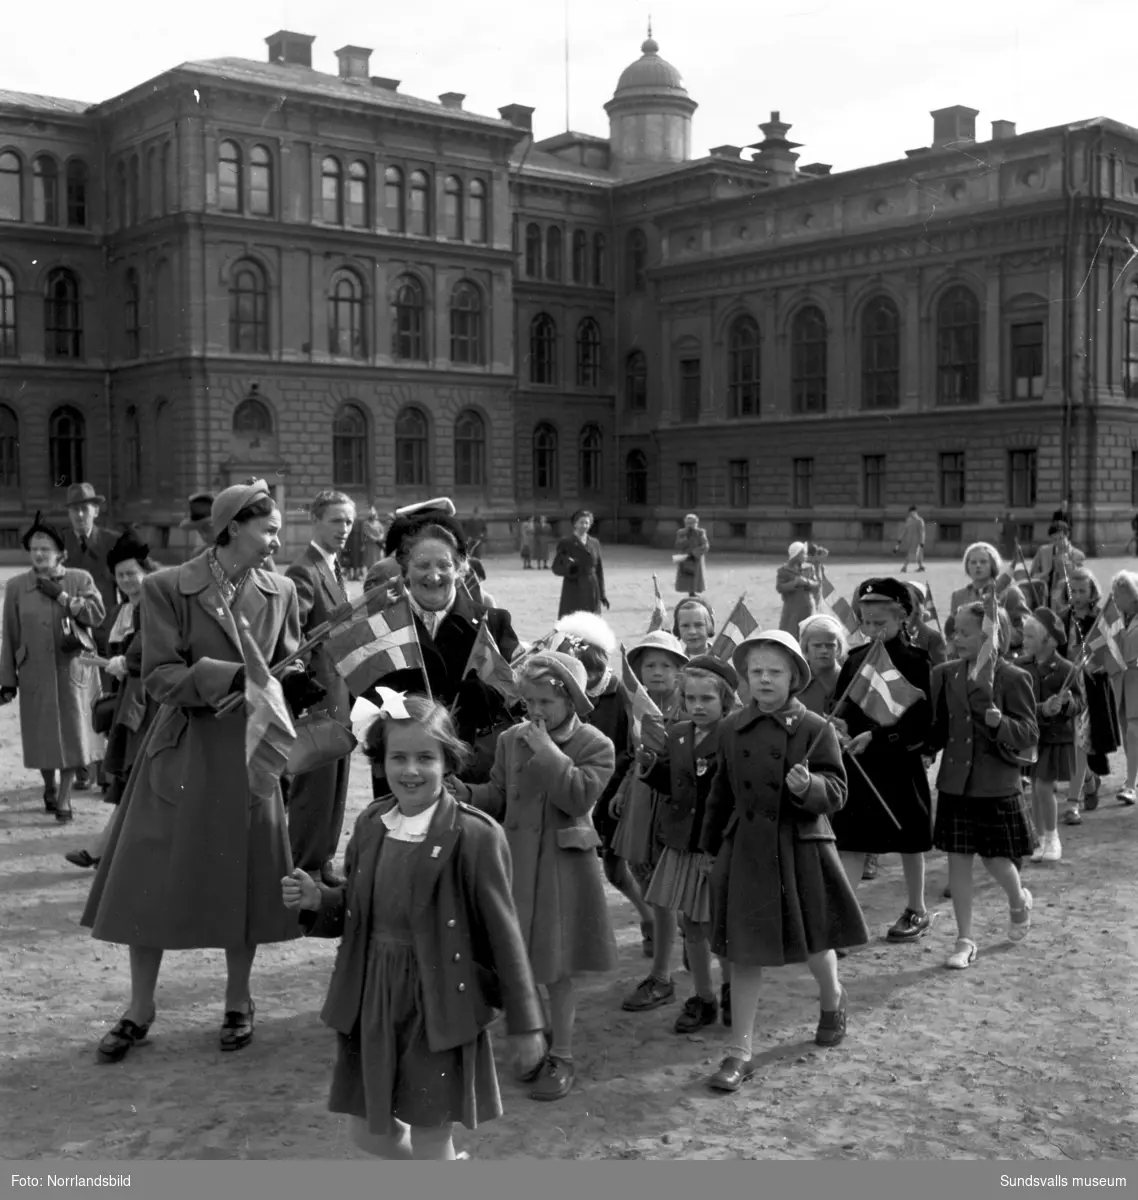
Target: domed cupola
[(650, 112)]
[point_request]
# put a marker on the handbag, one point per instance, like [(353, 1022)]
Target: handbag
[(320, 741), (76, 639), (103, 713)]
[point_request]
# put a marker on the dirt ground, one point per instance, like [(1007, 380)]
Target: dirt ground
[(1029, 1054)]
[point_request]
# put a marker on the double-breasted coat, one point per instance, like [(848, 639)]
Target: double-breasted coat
[(90, 555), (471, 957), (194, 859), (684, 776), (544, 801), (582, 570), (893, 762), (779, 892), (316, 800), (689, 574), (56, 691)]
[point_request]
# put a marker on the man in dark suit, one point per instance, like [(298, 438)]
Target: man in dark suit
[(87, 548), (316, 800)]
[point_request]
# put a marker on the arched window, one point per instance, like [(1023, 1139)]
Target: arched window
[(469, 450), (7, 314), (411, 438), (533, 251), (466, 337), (66, 446), (347, 331), (452, 208), (11, 188), (808, 337), (350, 448), (589, 459), (553, 253), (476, 211), (543, 349), (9, 450), (635, 260), (359, 195), (131, 297), (600, 260), (76, 194), (393, 200), (332, 191), (636, 478), (420, 214), (248, 310), (165, 448), (45, 191), (132, 452), (545, 473), (636, 380), (261, 181), (743, 368), (588, 354), (229, 177), (1129, 347), (63, 315), (134, 191), (252, 419), (407, 312), (958, 347), (580, 256), (880, 354)]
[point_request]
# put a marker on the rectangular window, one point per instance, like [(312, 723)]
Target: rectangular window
[(873, 481), (740, 483), (802, 531), (689, 389), (1027, 361), (1022, 478), (951, 533), (1025, 535), (803, 483), (689, 485), (873, 531), (737, 530), (952, 480)]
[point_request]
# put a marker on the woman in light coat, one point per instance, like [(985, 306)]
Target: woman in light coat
[(692, 544), (55, 688)]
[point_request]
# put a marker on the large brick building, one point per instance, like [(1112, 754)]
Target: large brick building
[(246, 266)]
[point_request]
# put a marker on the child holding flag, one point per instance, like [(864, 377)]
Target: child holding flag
[(984, 721), (1124, 592)]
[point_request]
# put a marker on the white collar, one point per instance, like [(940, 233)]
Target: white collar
[(326, 555), (432, 618), (409, 829)]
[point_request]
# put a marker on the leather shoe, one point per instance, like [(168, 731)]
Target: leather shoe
[(332, 877), (732, 1074), (237, 1029)]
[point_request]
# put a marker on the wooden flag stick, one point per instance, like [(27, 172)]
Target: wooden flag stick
[(422, 658), (869, 784), (1027, 574), (831, 715)]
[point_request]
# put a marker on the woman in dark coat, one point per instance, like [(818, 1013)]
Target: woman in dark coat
[(890, 756), (197, 852), (578, 562)]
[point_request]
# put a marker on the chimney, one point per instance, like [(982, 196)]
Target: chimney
[(519, 115), (292, 48), (816, 169), (953, 126), (726, 151), (916, 153), (1003, 130), (774, 151), (387, 85), (354, 61), (452, 100)]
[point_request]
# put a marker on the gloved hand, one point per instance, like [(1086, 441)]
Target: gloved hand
[(7, 695), (301, 691), (49, 587)]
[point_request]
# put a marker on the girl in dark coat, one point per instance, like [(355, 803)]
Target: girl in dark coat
[(578, 562), (780, 894), (431, 948)]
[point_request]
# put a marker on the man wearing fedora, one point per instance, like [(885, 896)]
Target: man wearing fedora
[(87, 547), (199, 523)]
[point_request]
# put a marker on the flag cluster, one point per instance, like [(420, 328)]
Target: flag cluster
[(738, 627), (880, 690), (269, 731), (375, 642), (646, 719), (659, 612)]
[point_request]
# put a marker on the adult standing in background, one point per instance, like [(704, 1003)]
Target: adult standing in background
[(578, 562), (316, 799), (372, 533), (1008, 538), (692, 544), (911, 540), (799, 584), (1052, 566), (541, 535), (198, 523)]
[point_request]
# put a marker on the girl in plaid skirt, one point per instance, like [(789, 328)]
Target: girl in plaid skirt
[(985, 727)]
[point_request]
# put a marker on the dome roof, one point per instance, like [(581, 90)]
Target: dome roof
[(650, 74)]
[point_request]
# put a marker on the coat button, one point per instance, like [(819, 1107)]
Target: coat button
[(457, 958), (462, 987), (348, 913), (451, 923), (776, 753)]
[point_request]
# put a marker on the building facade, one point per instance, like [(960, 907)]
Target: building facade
[(259, 268)]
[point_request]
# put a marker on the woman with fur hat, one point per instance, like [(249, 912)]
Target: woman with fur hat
[(129, 562), (779, 892), (578, 561), (798, 584), (45, 610), (890, 756), (548, 773)]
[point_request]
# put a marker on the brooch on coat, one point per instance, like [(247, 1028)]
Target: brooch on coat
[(701, 766)]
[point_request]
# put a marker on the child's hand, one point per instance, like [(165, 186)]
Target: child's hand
[(858, 744), (458, 789), (841, 728), (1051, 706), (529, 1049), (645, 758), (798, 779), (993, 717), (536, 736), (116, 668), (298, 890)]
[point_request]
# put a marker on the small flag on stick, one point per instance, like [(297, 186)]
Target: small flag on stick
[(880, 690), (739, 626), (373, 643), (488, 664), (984, 668), (840, 607), (269, 731), (659, 612), (1103, 639), (646, 719)]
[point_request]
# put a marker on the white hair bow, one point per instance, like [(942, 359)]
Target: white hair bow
[(393, 706)]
